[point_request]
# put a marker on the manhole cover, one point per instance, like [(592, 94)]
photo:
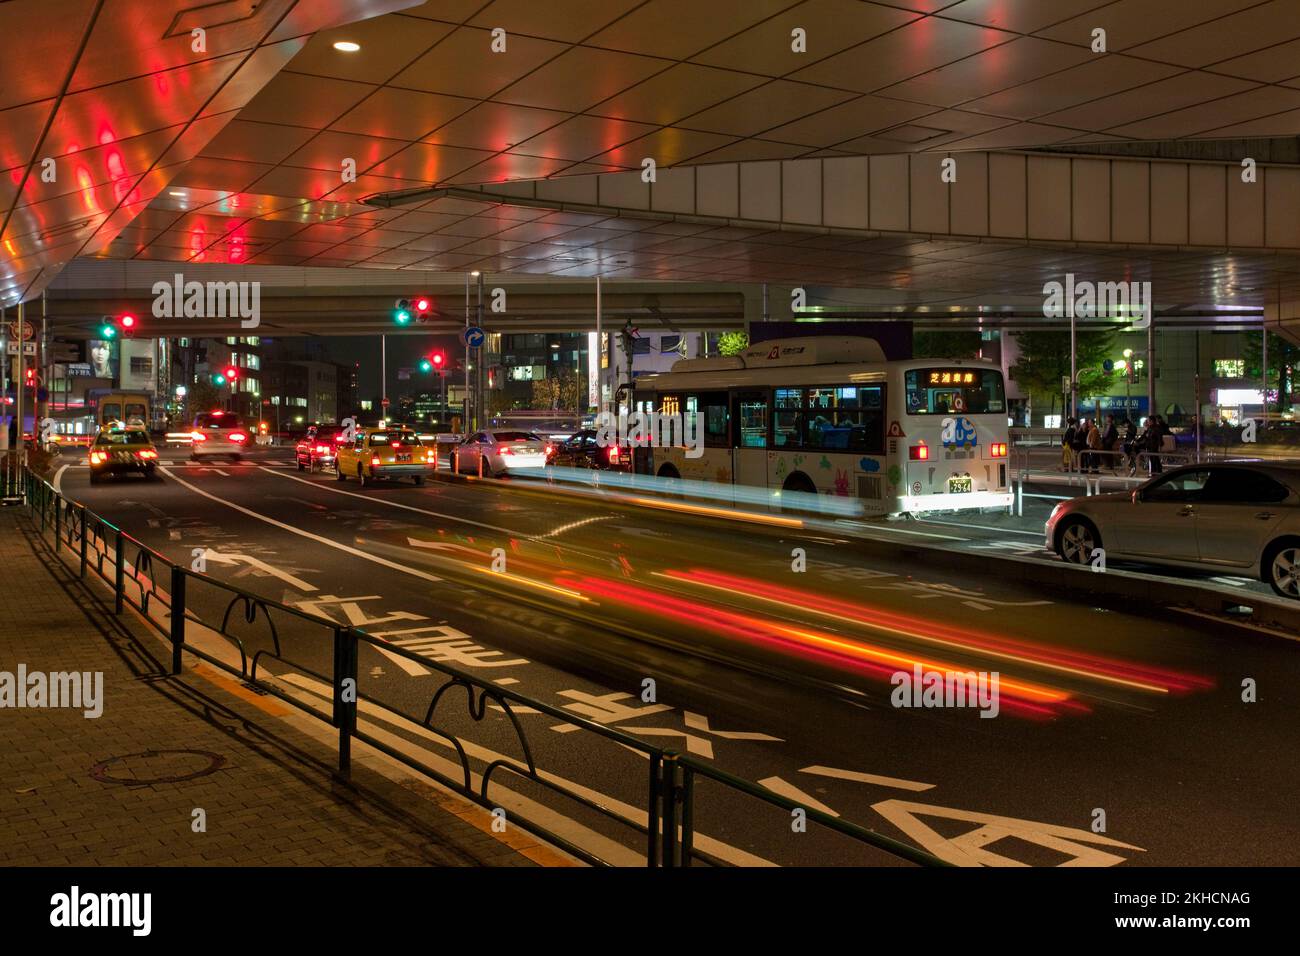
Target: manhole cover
[(157, 766)]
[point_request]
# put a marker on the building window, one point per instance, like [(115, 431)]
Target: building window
[(1229, 368), (141, 365)]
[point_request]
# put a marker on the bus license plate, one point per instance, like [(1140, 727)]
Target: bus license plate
[(959, 485)]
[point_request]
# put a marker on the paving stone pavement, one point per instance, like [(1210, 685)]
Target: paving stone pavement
[(266, 789)]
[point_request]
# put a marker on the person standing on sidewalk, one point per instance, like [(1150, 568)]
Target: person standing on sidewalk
[(1092, 460), (1067, 445)]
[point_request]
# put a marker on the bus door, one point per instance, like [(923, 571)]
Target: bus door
[(749, 446)]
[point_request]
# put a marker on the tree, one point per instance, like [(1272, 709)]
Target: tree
[(1283, 356), (563, 389), (733, 343), (946, 344), (1044, 361), (203, 395)]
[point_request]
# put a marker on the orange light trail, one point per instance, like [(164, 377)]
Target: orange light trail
[(1081, 665)]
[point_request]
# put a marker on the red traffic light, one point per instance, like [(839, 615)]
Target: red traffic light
[(439, 360), (128, 321), (231, 373), (422, 304)]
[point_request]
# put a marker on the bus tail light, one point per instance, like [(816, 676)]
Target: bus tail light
[(999, 449), (919, 452)]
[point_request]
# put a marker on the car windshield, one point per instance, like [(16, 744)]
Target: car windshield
[(122, 438), (218, 420), (515, 436), (386, 438)]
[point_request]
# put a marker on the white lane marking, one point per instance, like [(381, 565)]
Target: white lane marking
[(375, 559), (788, 790), (506, 681), (231, 557), (223, 474), (58, 479), (858, 525), (858, 776), (984, 527), (397, 504)]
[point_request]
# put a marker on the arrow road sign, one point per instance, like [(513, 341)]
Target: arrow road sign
[(474, 337)]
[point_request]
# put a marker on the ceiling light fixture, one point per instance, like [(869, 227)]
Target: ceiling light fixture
[(346, 46)]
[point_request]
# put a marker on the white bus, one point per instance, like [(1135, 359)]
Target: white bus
[(830, 415)]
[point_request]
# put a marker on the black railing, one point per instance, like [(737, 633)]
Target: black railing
[(135, 572)]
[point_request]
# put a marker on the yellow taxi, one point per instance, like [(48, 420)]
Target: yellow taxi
[(119, 449), (393, 452)]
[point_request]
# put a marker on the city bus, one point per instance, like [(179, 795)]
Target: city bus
[(831, 415)]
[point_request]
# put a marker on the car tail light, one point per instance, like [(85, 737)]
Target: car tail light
[(96, 457), (395, 444), (238, 437), (999, 449), (919, 452), (322, 449), (550, 450), (613, 454), (147, 453), (198, 437), (374, 459), (506, 450), (340, 439)]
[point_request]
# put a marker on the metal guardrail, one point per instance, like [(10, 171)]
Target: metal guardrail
[(670, 796)]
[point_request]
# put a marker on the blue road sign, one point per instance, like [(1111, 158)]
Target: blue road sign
[(474, 336)]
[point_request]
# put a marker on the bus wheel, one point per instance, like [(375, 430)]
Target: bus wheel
[(797, 481)]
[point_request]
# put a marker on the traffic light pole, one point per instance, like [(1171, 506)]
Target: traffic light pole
[(20, 386)]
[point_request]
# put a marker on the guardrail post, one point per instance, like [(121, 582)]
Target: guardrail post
[(119, 573), (345, 687), (688, 814), (652, 812), (83, 541), (670, 792), (178, 616), (58, 525), (44, 504)]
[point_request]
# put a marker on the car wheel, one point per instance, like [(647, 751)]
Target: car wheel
[(1077, 540), (419, 479), (338, 474), (1281, 566), (361, 477), (95, 478), (298, 461)]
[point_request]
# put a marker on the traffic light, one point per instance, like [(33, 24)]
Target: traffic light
[(418, 307), (218, 379), (29, 376), (127, 323), (426, 365), (231, 373), (108, 327), (439, 360)]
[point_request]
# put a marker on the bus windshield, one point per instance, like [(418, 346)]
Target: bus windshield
[(946, 390)]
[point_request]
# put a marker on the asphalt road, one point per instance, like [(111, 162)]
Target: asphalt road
[(1121, 738)]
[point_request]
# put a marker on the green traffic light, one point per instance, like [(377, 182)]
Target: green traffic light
[(218, 380), (107, 332), (426, 365), (401, 316)]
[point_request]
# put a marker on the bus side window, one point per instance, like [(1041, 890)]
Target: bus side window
[(716, 424), (751, 421)]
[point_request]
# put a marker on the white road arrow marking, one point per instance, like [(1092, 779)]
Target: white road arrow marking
[(858, 776), (700, 722), (791, 792), (232, 558)]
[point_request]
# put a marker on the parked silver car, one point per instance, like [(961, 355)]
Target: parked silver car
[(497, 453), (1232, 517)]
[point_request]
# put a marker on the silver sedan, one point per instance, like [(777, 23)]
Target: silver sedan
[(1226, 518), (496, 453)]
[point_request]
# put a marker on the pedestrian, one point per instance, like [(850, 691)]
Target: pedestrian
[(1130, 445), (1152, 437), (1093, 442), (1067, 445), (1109, 439)]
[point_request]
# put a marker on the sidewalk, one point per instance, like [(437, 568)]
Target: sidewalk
[(113, 791)]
